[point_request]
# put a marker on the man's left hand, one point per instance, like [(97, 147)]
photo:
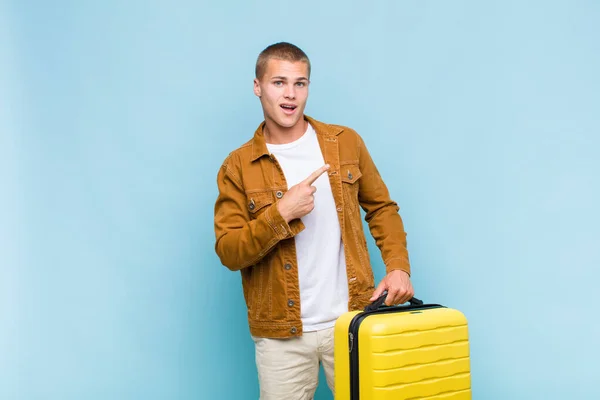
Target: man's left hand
[(399, 288)]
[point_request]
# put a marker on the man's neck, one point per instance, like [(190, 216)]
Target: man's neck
[(275, 134)]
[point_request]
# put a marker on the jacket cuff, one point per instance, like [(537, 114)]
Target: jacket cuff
[(282, 229), (400, 263)]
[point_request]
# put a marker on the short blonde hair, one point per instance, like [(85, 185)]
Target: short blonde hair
[(280, 51)]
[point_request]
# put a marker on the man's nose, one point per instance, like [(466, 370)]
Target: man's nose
[(290, 92)]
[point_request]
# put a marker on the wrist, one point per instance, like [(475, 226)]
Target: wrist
[(400, 271), (283, 213)]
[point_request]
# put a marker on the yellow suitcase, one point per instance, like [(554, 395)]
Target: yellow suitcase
[(417, 351)]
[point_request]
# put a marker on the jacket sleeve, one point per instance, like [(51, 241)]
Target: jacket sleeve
[(385, 223), (241, 241)]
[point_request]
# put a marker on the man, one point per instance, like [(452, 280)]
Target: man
[(288, 218)]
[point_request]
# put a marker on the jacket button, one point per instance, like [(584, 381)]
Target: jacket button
[(279, 194), (251, 205), (293, 330), (339, 209), (287, 266), (291, 303), (349, 175)]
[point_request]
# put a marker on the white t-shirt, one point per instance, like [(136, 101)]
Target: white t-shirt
[(319, 248)]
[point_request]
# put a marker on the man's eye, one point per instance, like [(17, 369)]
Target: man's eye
[(300, 84), (278, 83)]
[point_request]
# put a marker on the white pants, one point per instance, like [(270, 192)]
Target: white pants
[(288, 369)]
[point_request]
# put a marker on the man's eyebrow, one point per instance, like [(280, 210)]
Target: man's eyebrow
[(283, 78)]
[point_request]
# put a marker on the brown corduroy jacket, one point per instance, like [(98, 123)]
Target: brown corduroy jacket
[(252, 237)]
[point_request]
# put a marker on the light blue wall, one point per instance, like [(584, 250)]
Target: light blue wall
[(483, 118)]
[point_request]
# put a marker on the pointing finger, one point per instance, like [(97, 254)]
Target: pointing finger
[(313, 177)]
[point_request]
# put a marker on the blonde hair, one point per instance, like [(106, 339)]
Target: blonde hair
[(280, 51)]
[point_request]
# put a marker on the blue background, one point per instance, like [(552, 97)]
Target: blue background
[(483, 118)]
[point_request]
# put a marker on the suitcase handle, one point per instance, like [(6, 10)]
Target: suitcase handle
[(378, 303)]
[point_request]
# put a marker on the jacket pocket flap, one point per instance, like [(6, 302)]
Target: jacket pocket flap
[(258, 201), (350, 173)]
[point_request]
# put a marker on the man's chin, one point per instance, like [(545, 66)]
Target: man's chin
[(289, 122)]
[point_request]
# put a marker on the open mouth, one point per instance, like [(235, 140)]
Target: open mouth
[(288, 108)]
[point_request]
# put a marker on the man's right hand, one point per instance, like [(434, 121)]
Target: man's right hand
[(300, 200)]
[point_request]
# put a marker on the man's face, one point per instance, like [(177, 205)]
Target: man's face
[(283, 91)]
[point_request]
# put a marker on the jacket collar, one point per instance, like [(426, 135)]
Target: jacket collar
[(259, 145)]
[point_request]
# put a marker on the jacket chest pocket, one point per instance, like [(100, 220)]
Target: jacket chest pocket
[(350, 174), (258, 202)]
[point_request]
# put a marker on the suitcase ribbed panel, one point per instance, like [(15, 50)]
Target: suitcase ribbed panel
[(383, 378), (427, 389), (423, 356), (454, 395), (411, 340), (415, 355)]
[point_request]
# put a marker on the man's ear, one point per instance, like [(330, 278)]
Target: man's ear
[(257, 88)]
